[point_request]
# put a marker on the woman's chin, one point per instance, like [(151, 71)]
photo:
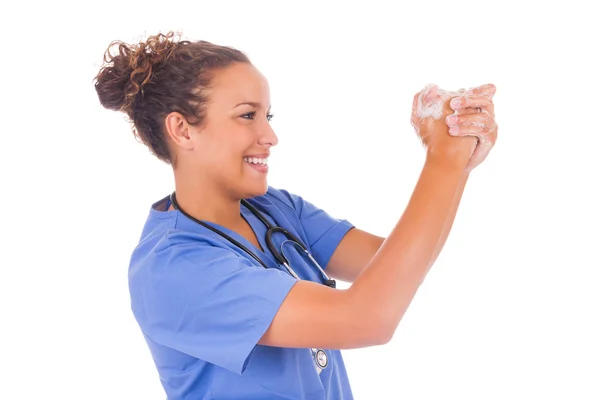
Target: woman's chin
[(256, 189)]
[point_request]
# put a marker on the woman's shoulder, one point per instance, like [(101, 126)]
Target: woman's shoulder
[(169, 252), (168, 238), (166, 235), (281, 198)]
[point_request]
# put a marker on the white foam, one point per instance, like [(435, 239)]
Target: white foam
[(435, 108)]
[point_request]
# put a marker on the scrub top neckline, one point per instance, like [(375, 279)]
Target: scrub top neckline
[(260, 231), (258, 228), (256, 225)]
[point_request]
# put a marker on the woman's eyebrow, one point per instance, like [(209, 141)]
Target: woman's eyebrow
[(250, 103)]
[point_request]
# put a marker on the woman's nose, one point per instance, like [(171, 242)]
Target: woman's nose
[(268, 136)]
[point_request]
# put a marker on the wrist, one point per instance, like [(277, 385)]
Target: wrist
[(448, 159), (457, 156)]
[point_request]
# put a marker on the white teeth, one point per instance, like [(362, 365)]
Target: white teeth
[(254, 160)]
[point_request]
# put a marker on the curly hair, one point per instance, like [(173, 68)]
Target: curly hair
[(151, 79)]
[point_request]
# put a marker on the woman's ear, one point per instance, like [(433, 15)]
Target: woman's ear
[(178, 130)]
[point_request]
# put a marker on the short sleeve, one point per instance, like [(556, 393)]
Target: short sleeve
[(323, 231), (207, 302)]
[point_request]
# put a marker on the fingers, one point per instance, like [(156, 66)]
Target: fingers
[(479, 97), (469, 110), (484, 90), (472, 102), (473, 115), (481, 125), (429, 93), (424, 104), (482, 120), (484, 134)]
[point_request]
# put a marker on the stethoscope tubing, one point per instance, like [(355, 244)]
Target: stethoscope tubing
[(319, 355), (271, 229)]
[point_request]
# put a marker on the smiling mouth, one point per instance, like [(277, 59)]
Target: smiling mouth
[(256, 161)]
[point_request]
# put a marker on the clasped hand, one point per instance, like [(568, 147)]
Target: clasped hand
[(457, 124)]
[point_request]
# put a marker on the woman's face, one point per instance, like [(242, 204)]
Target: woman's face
[(231, 148)]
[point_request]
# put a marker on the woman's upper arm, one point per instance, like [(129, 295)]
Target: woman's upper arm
[(212, 304), (322, 231), (336, 244), (206, 301), (315, 315), (353, 254)]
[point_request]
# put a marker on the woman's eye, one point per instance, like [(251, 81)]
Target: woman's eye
[(252, 114)]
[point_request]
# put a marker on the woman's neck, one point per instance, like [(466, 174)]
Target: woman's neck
[(208, 204)]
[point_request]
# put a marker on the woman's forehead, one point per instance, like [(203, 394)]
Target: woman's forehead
[(241, 83)]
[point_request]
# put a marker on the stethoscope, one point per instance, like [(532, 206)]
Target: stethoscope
[(319, 355)]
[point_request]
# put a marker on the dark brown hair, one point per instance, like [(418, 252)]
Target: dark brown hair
[(151, 79)]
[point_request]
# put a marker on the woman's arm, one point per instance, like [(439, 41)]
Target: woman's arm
[(473, 116), (368, 313), (353, 253), (358, 247)]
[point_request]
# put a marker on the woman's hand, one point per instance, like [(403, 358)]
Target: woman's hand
[(431, 107), (467, 114), (474, 116)]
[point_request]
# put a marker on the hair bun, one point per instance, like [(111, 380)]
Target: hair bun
[(124, 74)]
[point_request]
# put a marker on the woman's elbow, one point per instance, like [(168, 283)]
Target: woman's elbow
[(373, 329), (383, 334)]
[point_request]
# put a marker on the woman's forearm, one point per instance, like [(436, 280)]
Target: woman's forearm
[(451, 216), (385, 288)]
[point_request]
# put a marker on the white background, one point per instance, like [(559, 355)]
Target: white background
[(510, 309)]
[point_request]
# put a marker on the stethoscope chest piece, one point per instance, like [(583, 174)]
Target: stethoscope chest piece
[(321, 358)]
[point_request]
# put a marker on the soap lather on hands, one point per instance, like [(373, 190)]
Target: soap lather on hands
[(466, 114)]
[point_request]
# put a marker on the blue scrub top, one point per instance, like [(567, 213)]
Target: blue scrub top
[(202, 304)]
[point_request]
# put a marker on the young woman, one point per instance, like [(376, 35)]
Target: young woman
[(232, 282)]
